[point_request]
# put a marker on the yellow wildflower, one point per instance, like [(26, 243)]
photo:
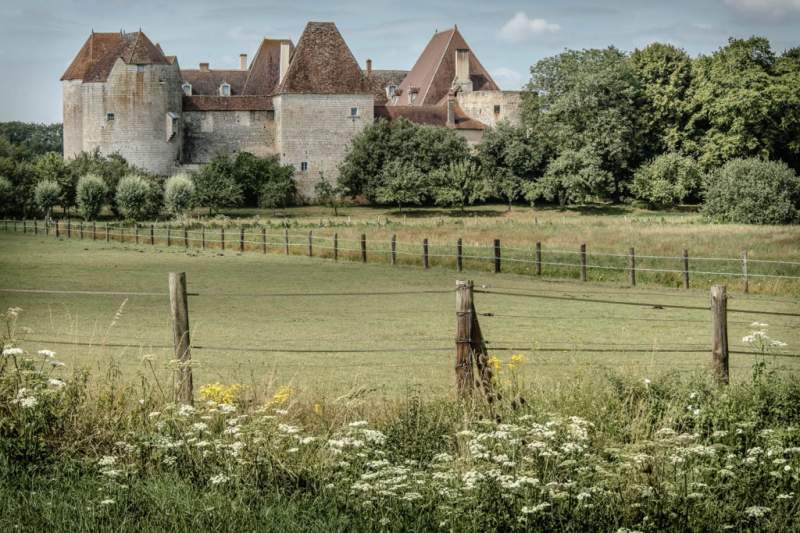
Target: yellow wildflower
[(220, 393), (282, 395), (516, 360), (494, 363), (318, 409)]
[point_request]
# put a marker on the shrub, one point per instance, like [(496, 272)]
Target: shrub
[(403, 184), (133, 197), (753, 191), (667, 180), (573, 177), (459, 184), (91, 195), (328, 194), (279, 191), (47, 194), (216, 187), (6, 194), (179, 194)]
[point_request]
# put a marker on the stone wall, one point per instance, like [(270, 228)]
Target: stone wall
[(73, 118), (317, 129), (480, 105), (207, 133)]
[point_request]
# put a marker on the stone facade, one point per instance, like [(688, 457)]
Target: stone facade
[(208, 133), (491, 107)]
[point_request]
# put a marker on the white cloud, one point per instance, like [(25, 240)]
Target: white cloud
[(521, 28), (507, 78), (768, 8)]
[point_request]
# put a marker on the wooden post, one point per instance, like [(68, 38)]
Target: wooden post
[(685, 268), (583, 262), (363, 247), (538, 258), (335, 246), (35, 227), (94, 231), (179, 309), (394, 249), (459, 256), (719, 333), (136, 232), (108, 237), (69, 228), (241, 238), (57, 232), (632, 266), (203, 237), (463, 337), (185, 237), (15, 225), (24, 226), (744, 272), (286, 240), (310, 244), (152, 235), (122, 234), (264, 240), (169, 236), (497, 256), (425, 263), (222, 238), (80, 229), (46, 227)]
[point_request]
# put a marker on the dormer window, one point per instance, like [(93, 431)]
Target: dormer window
[(187, 89), (391, 91), (412, 95), (225, 89)]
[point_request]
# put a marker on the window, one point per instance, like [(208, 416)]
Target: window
[(187, 89), (412, 97), (304, 166), (172, 125), (225, 89), (139, 68), (353, 112), (497, 110), (109, 117), (391, 91)]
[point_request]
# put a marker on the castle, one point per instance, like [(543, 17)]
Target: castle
[(303, 103)]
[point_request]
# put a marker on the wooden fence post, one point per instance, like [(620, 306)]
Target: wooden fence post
[(24, 226), (203, 237), (538, 258), (459, 256), (241, 238), (94, 231), (185, 237), (464, 337), (583, 262), (80, 229), (719, 333), (179, 309), (222, 238), (497, 256), (46, 223), (310, 244), (335, 246), (169, 235), (744, 272), (122, 234), (286, 240), (136, 232), (394, 249), (69, 228), (57, 230), (425, 263), (363, 247), (264, 240), (35, 227), (632, 266), (685, 268), (108, 237), (152, 235)]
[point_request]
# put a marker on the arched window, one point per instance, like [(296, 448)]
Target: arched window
[(225, 89), (187, 88)]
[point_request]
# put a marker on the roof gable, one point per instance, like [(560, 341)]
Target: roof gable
[(322, 63), (265, 69), (208, 82), (98, 54), (433, 73)]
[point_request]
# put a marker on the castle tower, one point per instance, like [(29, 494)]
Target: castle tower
[(123, 95)]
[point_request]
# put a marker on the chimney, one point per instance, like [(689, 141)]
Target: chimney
[(369, 68), (451, 111), (462, 66), (243, 61), (203, 67), (284, 61)]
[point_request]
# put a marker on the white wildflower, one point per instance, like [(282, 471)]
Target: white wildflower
[(199, 426), (107, 502), (48, 354), (536, 508), (185, 410), (756, 511), (11, 351), (219, 479), (55, 382), (107, 460), (28, 402), (358, 423)]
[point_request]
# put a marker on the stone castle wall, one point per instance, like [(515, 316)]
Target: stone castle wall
[(208, 133), (480, 105)]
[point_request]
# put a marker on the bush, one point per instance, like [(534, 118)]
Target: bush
[(459, 184), (667, 180), (753, 191), (216, 187), (6, 194), (179, 194), (133, 197), (573, 177), (91, 195), (279, 191), (403, 184), (47, 194)]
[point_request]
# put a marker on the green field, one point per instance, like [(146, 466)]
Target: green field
[(269, 320)]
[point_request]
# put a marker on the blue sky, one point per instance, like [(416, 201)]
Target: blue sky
[(39, 38)]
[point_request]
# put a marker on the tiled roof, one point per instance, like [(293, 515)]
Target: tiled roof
[(323, 64), (265, 68), (435, 70), (434, 115), (378, 80), (208, 82), (227, 103), (101, 50)]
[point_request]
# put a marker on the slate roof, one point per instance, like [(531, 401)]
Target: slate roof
[(435, 70), (434, 115), (207, 82), (227, 103), (264, 71), (98, 54), (322, 63), (378, 80)]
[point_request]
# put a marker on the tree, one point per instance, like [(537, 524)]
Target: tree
[(573, 177), (328, 194), (251, 173), (47, 194), (51, 167), (111, 168), (6, 195), (403, 184), (216, 187), (667, 180), (753, 191), (179, 192), (280, 191), (133, 197), (505, 184), (459, 184), (91, 195)]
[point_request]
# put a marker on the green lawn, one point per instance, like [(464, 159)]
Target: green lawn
[(253, 301)]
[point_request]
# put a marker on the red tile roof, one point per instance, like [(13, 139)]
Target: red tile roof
[(265, 68), (323, 64), (101, 50), (227, 103), (378, 80), (433, 115), (207, 82), (435, 70)]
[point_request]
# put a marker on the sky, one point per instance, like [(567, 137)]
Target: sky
[(39, 38)]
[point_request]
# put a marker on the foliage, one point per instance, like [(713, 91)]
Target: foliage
[(403, 184), (573, 177), (33, 140), (47, 195), (216, 186), (6, 195), (252, 173), (179, 194), (667, 180), (459, 184), (328, 194), (52, 167), (133, 197), (111, 168), (91, 195), (279, 191), (753, 191)]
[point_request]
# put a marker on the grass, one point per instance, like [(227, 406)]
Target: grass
[(249, 301)]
